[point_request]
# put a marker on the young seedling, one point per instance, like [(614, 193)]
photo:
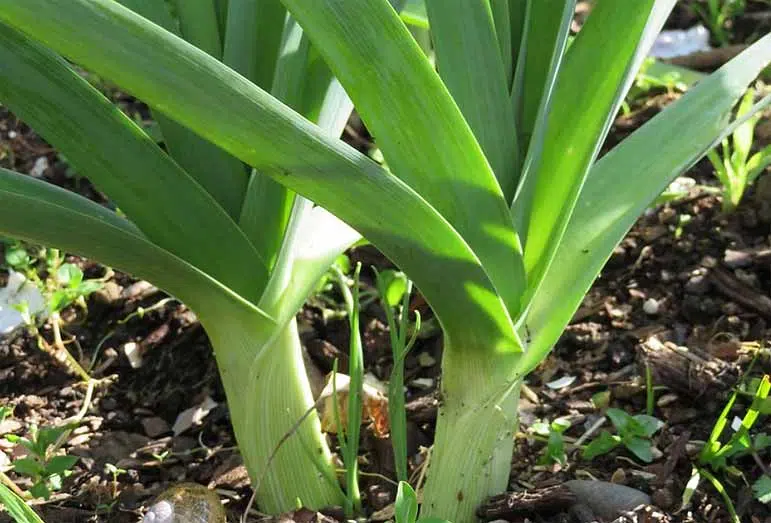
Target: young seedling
[(633, 432), (41, 466), (734, 166), (61, 285), (349, 436), (555, 443), (717, 14), (395, 290), (715, 455), (406, 506)]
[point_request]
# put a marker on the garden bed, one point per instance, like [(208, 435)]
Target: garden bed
[(686, 274)]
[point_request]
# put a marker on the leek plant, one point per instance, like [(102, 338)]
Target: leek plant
[(495, 202)]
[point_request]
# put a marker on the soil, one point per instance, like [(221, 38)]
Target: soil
[(686, 275)]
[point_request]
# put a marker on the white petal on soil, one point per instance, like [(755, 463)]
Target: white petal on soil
[(39, 167), (670, 44), (133, 354), (17, 291), (193, 416), (561, 383)]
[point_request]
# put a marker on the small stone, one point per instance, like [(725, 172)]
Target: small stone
[(697, 284), (750, 278), (426, 360), (79, 441), (666, 399), (618, 477), (422, 383), (39, 168), (656, 453), (109, 293), (8, 426), (651, 306), (607, 500), (155, 426), (109, 403), (663, 498)]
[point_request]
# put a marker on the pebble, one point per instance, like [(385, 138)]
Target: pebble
[(155, 426), (697, 284), (651, 306), (666, 399), (607, 500), (39, 168), (426, 360)]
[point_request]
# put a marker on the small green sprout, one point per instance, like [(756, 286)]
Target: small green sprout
[(406, 506), (735, 168), (114, 471), (717, 14), (45, 470), (715, 455), (634, 433), (555, 444)]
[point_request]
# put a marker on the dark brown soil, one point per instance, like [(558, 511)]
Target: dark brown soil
[(682, 255)]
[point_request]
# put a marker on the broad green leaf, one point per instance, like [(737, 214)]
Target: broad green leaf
[(253, 38), (538, 61), (517, 20), (222, 18), (222, 106), (41, 213), (502, 20), (107, 147), (28, 467), (268, 204), (414, 13), (600, 445), (60, 464), (69, 274), (641, 448), (625, 181), (16, 507), (648, 424), (418, 126), (761, 489), (199, 23), (545, 31), (469, 61), (314, 238), (223, 176), (591, 85)]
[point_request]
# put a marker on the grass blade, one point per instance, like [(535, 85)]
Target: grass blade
[(16, 507), (606, 209), (469, 61), (225, 108), (391, 84), (108, 148)]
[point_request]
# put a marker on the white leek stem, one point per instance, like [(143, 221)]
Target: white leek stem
[(266, 398), (474, 442)]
